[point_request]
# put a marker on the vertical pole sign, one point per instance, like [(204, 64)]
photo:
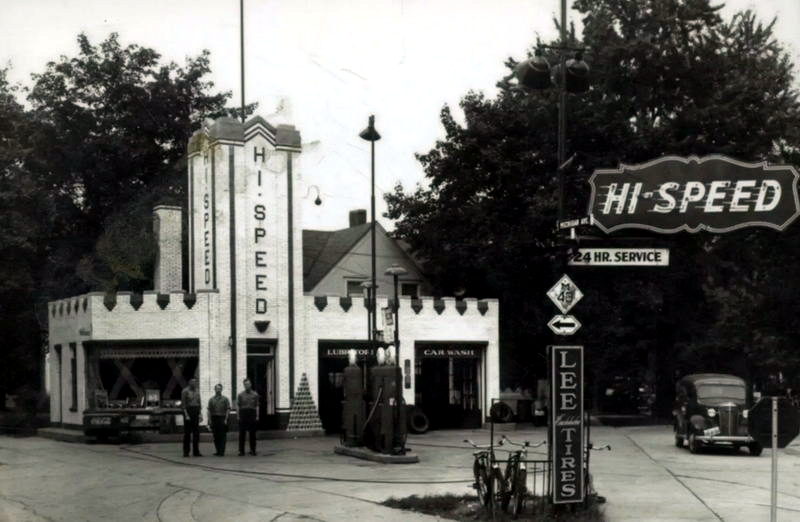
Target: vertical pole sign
[(566, 423)]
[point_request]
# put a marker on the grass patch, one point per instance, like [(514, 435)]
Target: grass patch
[(465, 508)]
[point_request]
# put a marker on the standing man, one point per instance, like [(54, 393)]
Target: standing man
[(247, 403), (218, 409), (190, 400)]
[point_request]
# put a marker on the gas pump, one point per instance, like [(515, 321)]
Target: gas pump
[(353, 405), (387, 420)]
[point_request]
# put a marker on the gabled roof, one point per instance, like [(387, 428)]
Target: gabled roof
[(323, 249)]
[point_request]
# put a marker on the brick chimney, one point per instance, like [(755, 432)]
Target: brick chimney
[(358, 217), (169, 264)]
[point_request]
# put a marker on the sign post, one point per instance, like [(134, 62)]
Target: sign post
[(774, 422), (773, 510), (567, 424)]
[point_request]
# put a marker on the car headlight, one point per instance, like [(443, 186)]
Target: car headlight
[(712, 412), (744, 413)]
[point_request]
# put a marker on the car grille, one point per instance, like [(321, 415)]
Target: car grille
[(728, 420)]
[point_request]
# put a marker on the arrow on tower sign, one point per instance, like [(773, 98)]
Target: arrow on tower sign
[(564, 324), (565, 294)]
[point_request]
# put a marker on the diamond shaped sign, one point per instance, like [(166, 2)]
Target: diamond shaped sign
[(565, 294)]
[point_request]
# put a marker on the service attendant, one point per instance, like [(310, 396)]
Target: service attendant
[(192, 417), (247, 404), (219, 407)]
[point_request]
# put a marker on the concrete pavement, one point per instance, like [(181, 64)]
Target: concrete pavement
[(644, 477)]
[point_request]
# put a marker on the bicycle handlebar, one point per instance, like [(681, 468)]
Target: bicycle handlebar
[(525, 444), (467, 441), (601, 448)]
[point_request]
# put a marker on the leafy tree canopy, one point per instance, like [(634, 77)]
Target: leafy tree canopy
[(668, 77), (103, 142)]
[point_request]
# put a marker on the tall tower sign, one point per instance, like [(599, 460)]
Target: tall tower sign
[(244, 242)]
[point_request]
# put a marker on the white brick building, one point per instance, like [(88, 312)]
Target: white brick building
[(248, 310)]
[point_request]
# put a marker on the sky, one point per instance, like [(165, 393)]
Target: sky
[(326, 65)]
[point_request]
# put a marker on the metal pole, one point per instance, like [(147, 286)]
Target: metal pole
[(241, 46), (398, 390), (372, 234), (773, 511), (562, 111)]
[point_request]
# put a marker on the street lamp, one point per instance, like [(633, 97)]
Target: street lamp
[(570, 75), (396, 271), (371, 135)]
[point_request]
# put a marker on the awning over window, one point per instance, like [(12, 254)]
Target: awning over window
[(149, 352)]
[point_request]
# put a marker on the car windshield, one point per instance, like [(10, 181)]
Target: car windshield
[(719, 392)]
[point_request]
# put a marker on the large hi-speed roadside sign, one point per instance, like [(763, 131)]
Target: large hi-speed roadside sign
[(713, 193)]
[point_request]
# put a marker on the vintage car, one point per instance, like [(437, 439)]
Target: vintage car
[(711, 409)]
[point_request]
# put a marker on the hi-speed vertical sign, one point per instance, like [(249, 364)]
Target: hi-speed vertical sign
[(566, 421)]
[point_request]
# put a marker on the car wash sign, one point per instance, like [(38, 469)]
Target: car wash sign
[(566, 422), (713, 193)]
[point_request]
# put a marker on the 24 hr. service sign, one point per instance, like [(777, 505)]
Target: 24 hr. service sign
[(567, 424), (713, 193)]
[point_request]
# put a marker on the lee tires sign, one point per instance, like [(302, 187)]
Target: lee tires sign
[(713, 193), (566, 420)]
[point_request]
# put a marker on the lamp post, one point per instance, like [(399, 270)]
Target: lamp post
[(396, 271), (371, 135), (570, 75), (368, 286)]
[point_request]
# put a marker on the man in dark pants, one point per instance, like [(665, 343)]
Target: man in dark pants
[(218, 409), (190, 400), (247, 403)]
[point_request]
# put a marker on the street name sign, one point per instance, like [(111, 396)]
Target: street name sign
[(565, 294), (564, 324), (567, 424), (714, 193), (759, 422), (573, 223), (619, 257)]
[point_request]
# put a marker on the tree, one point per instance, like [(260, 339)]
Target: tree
[(668, 77), (112, 128), (23, 209), (103, 142)]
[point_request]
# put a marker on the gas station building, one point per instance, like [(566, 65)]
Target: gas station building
[(265, 300)]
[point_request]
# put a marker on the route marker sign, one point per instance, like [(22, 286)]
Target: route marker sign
[(564, 324), (619, 257), (565, 294)]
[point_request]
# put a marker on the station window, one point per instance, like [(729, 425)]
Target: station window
[(409, 289), (354, 289)]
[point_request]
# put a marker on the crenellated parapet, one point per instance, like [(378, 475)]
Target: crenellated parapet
[(426, 304), (118, 302)]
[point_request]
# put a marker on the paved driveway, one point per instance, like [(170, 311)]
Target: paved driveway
[(644, 478)]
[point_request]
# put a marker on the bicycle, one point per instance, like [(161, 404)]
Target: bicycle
[(516, 475), (489, 482)]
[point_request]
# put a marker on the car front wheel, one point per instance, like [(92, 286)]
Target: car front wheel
[(694, 444)]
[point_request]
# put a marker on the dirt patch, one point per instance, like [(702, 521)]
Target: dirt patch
[(465, 508)]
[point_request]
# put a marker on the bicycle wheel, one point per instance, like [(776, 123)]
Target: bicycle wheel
[(497, 487), (481, 482), (508, 479), (517, 498)]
